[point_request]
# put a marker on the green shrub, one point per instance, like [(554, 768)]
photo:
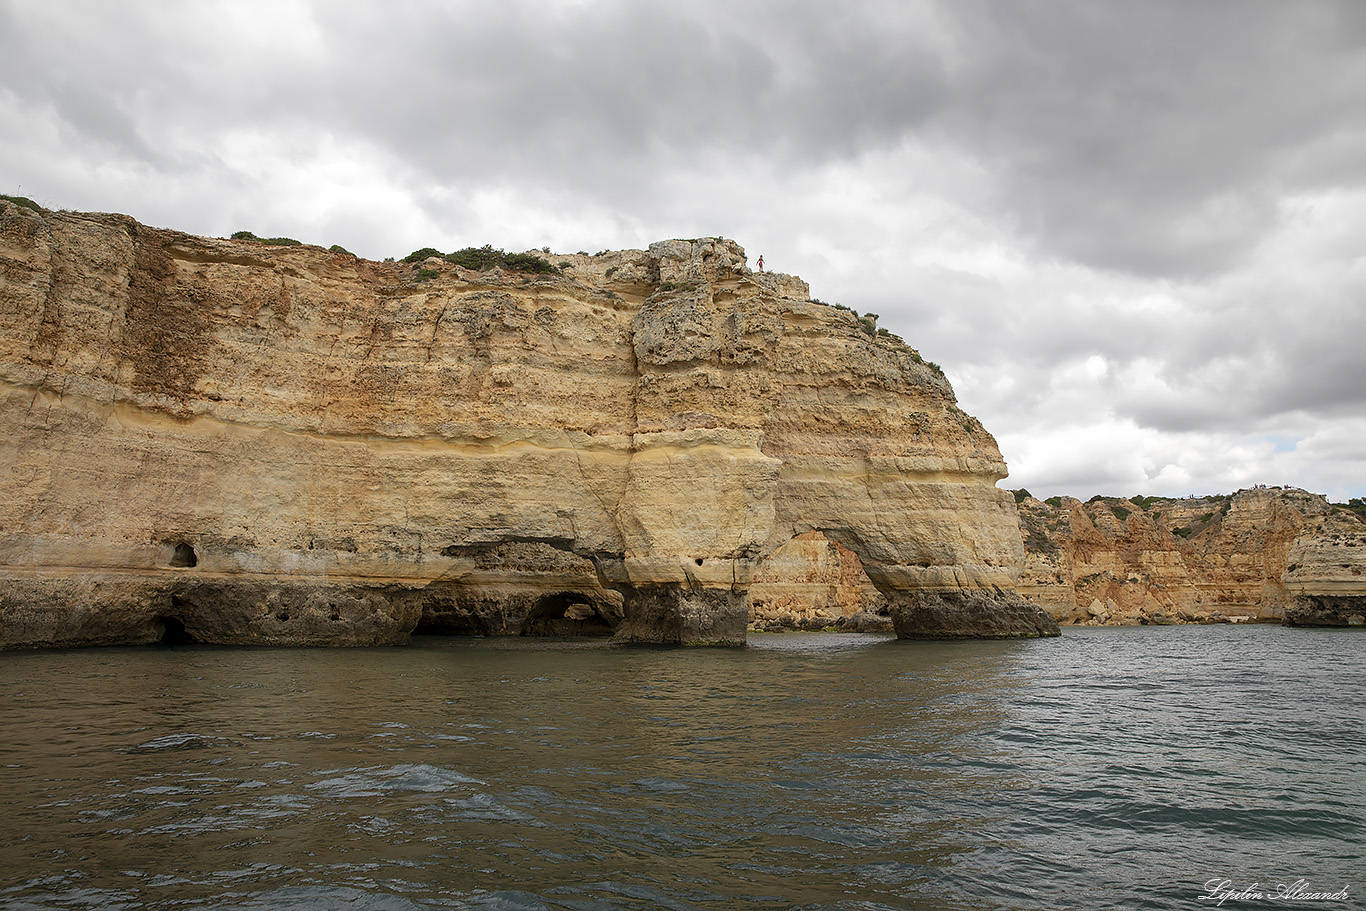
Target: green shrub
[(477, 258), (338, 248), (1121, 512), (528, 262), (611, 270), (23, 201), (1356, 506), (1054, 501), (425, 275), (418, 256), (273, 241), (1182, 531), (1206, 517), (1022, 494), (481, 259)]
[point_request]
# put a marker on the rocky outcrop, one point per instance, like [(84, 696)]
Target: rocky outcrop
[(968, 614), (1263, 554), (225, 441)]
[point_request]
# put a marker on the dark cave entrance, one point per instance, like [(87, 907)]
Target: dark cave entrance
[(184, 556), (171, 631), (566, 614)]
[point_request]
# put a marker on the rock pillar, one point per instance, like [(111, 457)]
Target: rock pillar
[(683, 615), (697, 505)]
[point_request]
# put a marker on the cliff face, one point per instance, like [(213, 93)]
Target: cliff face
[(1263, 553), (224, 441)]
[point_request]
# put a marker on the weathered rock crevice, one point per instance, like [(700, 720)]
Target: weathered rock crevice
[(221, 442)]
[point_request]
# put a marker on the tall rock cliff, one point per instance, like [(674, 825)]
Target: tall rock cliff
[(1259, 554), (226, 441)]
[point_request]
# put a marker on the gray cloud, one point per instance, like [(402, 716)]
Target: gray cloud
[(1154, 137)]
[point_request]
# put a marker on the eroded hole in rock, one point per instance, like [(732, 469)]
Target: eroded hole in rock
[(565, 614), (184, 555), (171, 631)]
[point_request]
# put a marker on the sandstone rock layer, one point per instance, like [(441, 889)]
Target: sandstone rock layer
[(222, 441)]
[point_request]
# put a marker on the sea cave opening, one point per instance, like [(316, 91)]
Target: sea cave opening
[(171, 631), (566, 614)]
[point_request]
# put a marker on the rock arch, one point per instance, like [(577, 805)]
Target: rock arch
[(811, 583)]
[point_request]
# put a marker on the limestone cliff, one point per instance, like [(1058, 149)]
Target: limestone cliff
[(226, 441), (1259, 554)]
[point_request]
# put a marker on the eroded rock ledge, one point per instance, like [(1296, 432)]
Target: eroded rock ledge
[(221, 441)]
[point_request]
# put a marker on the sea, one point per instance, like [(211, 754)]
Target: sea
[(1147, 767)]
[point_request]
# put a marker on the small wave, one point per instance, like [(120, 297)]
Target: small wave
[(171, 742), (406, 777)]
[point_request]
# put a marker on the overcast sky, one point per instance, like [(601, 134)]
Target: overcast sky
[(1133, 233)]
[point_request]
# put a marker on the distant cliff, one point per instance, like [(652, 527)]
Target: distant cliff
[(1258, 554), (226, 440)]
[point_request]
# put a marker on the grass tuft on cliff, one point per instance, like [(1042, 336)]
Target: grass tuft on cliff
[(22, 201)]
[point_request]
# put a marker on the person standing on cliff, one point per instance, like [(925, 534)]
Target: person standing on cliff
[(761, 262)]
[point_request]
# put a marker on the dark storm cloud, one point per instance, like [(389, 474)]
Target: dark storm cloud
[(608, 95), (1154, 137), (480, 91)]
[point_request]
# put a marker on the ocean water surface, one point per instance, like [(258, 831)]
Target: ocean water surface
[(1135, 768)]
